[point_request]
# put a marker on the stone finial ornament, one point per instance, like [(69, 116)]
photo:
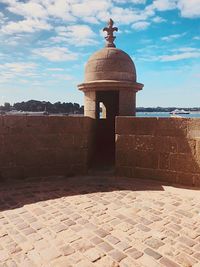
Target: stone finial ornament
[(110, 37)]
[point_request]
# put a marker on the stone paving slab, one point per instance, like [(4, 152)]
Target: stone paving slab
[(98, 221)]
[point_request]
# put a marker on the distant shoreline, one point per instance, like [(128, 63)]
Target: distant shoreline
[(170, 109)]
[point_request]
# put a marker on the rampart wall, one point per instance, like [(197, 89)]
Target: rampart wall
[(44, 145), (166, 149)]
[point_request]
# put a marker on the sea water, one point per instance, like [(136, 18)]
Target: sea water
[(167, 114)]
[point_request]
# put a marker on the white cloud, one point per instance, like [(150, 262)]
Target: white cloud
[(56, 53), (26, 26), (158, 19), (150, 54), (66, 77), (189, 8), (180, 56), (1, 15), (163, 5), (29, 9), (93, 11), (55, 69), (90, 8), (78, 35), (196, 38), (141, 25), (172, 37), (2, 18), (130, 1), (90, 11), (18, 67), (59, 9), (188, 49), (41, 8), (128, 15), (9, 71)]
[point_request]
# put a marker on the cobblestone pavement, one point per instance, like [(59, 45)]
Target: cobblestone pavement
[(98, 221)]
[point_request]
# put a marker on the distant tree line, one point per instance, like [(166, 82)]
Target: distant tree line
[(39, 106), (72, 108)]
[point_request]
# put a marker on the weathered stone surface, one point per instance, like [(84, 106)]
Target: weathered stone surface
[(166, 144), (146, 159), (135, 126), (163, 149), (145, 143), (110, 64), (44, 145)]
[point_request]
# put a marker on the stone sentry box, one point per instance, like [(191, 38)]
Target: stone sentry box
[(166, 149), (109, 85), (108, 71)]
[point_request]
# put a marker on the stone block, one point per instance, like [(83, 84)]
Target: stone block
[(186, 145), (146, 159), (52, 141), (166, 176), (62, 156), (164, 161), (79, 169), (136, 126), (197, 180), (69, 124), (172, 127), (1, 123), (166, 144), (126, 102), (7, 157), (155, 174), (36, 125), (144, 173), (168, 263), (193, 130), (124, 171), (56, 169), (186, 178), (79, 156), (64, 141), (87, 124), (184, 163), (13, 124), (19, 142), (125, 142), (125, 158), (145, 142), (90, 113), (64, 124), (81, 141), (45, 145), (35, 157), (12, 173), (1, 142), (198, 148)]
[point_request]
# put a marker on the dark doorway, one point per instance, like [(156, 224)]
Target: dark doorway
[(107, 108)]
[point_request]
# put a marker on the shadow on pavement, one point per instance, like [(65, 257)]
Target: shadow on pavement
[(16, 194)]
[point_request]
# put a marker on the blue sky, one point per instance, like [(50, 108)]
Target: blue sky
[(44, 45)]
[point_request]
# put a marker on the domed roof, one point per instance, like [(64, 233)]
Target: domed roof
[(110, 63)]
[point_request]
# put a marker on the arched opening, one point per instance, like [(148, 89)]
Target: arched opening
[(107, 108), (103, 111)]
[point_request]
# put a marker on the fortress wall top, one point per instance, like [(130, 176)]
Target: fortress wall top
[(166, 149), (44, 145)]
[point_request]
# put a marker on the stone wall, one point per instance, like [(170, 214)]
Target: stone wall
[(44, 145), (166, 149)]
